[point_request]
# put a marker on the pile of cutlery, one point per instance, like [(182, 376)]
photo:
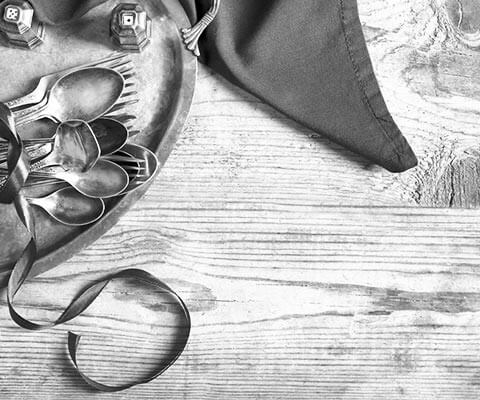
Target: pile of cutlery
[(89, 157)]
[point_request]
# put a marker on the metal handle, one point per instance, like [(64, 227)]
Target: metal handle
[(32, 113), (31, 98), (192, 35)]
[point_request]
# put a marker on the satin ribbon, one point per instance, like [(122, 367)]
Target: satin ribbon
[(18, 170)]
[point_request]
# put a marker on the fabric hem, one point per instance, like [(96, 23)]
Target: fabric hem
[(369, 88)]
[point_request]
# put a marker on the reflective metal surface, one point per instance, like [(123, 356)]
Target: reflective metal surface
[(192, 35), (71, 97), (116, 61), (165, 74), (75, 148), (111, 134), (141, 163), (70, 207), (105, 179)]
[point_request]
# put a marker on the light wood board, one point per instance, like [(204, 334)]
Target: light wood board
[(309, 274)]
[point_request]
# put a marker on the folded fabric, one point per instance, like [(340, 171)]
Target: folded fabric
[(307, 58)]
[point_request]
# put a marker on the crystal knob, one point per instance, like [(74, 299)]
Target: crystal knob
[(130, 27), (19, 25)]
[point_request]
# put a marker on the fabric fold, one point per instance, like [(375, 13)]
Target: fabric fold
[(306, 58)]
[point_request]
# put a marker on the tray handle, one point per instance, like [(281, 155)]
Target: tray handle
[(192, 35)]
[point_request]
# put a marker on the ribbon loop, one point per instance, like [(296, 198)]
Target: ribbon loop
[(10, 192)]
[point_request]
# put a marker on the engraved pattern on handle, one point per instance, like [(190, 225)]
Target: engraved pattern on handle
[(31, 98), (35, 153), (32, 113), (192, 35)]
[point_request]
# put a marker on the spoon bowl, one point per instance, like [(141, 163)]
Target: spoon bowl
[(111, 134), (105, 179), (75, 148), (84, 94), (70, 207)]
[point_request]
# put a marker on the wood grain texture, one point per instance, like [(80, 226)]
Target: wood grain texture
[(308, 273)]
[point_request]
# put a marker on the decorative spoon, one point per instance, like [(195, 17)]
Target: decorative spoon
[(105, 179), (70, 207), (84, 94), (111, 136), (75, 148)]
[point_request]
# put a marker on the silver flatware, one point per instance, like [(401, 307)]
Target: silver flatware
[(75, 148), (105, 179), (111, 136), (141, 164), (70, 207), (85, 94), (118, 62)]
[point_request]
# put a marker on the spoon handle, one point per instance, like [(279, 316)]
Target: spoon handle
[(45, 163), (33, 97), (34, 151), (32, 113)]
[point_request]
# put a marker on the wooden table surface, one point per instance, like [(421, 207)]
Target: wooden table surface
[(309, 273)]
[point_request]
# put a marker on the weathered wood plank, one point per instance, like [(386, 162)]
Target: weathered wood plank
[(287, 301), (431, 85), (305, 273)]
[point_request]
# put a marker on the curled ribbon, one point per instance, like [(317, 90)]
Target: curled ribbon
[(18, 170)]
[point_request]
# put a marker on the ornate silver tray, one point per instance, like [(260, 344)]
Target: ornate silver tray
[(166, 74)]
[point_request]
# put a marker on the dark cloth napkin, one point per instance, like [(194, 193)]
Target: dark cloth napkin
[(307, 58)]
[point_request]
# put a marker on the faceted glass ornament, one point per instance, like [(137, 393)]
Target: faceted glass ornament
[(130, 27), (19, 24)]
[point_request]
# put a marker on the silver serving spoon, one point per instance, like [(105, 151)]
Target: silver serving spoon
[(70, 207), (84, 94), (104, 179), (75, 148)]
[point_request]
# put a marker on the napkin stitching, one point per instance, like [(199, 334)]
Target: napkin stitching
[(356, 69)]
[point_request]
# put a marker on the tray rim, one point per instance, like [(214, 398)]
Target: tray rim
[(174, 129)]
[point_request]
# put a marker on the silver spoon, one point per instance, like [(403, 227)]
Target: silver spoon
[(111, 136), (75, 148), (114, 61), (84, 94), (133, 167), (70, 207), (105, 179)]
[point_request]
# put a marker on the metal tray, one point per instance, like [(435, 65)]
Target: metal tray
[(166, 74)]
